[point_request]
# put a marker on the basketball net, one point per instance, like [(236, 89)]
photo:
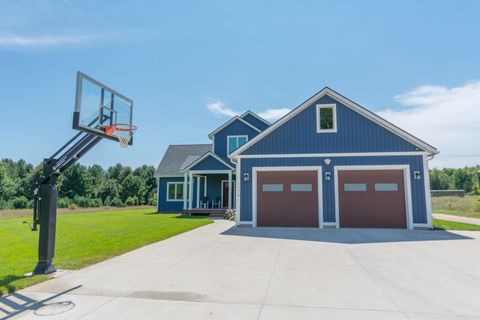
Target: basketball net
[(124, 128), (124, 141)]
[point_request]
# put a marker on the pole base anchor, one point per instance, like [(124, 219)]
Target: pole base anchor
[(44, 267)]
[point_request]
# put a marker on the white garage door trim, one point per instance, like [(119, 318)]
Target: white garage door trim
[(407, 186), (286, 168)]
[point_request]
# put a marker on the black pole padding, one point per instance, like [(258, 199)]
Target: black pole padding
[(47, 192)]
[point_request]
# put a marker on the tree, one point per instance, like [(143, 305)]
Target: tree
[(75, 182), (133, 186), (463, 180), (147, 174)]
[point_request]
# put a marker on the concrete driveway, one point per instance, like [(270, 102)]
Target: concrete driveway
[(220, 272)]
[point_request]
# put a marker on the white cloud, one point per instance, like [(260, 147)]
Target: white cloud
[(274, 114), (16, 41), (447, 118), (219, 108)]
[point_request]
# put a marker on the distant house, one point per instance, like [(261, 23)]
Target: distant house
[(328, 163)]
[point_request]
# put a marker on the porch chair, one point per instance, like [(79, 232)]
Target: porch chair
[(216, 203), (204, 202)]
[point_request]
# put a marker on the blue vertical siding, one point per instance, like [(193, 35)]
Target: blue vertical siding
[(255, 122), (162, 204), (235, 128), (210, 163), (415, 162), (355, 133)]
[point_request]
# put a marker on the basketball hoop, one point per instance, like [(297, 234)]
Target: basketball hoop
[(122, 127)]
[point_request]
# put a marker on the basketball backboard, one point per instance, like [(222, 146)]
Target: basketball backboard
[(102, 111)]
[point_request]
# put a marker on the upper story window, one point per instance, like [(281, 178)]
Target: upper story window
[(235, 142), (326, 118)]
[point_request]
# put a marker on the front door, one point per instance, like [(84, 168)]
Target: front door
[(225, 194)]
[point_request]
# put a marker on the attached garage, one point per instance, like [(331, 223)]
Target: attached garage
[(287, 198), (371, 198)]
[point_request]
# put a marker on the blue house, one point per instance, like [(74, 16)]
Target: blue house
[(329, 163)]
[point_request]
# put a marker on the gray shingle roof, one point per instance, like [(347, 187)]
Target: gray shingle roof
[(179, 156)]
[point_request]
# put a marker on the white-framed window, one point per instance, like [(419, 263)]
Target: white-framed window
[(174, 191), (326, 118), (235, 142)]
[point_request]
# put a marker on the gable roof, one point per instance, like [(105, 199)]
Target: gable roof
[(253, 114), (348, 103), (206, 155), (179, 156), (229, 122)]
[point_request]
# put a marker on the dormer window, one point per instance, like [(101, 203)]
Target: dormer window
[(326, 118), (235, 142)]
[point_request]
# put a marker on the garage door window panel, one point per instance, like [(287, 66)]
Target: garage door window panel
[(386, 187), (301, 187), (272, 187), (355, 187)]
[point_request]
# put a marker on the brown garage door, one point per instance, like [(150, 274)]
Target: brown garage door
[(287, 199), (371, 199)]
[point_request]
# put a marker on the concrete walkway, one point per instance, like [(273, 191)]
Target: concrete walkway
[(450, 217), (220, 272)]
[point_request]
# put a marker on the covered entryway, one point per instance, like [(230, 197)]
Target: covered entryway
[(372, 199), (287, 198)]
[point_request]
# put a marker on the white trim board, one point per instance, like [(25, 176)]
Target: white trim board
[(300, 168), (248, 112), (428, 197), (226, 124), (348, 103), (333, 155), (407, 186), (238, 179), (234, 186), (209, 153)]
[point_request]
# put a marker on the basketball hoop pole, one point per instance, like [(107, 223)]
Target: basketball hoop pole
[(45, 202)]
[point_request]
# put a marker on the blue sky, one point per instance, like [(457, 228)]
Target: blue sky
[(188, 65)]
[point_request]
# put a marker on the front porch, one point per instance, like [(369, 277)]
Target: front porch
[(208, 192), (209, 184), (210, 212)]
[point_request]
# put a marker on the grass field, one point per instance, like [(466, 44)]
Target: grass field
[(452, 225), (468, 206), (83, 239)]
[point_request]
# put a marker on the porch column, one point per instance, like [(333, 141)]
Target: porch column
[(230, 190), (185, 177), (190, 189), (205, 186), (198, 191)]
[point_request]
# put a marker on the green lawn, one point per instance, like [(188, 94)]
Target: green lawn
[(468, 206), (84, 239), (458, 213), (452, 225)]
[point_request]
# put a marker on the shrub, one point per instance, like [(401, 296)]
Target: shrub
[(476, 205), (131, 201), (82, 202), (63, 202), (229, 215), (20, 202), (96, 203), (5, 205), (72, 206), (107, 202), (117, 202), (153, 200)]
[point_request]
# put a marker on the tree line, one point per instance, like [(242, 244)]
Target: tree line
[(93, 186), (460, 179), (80, 185)]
